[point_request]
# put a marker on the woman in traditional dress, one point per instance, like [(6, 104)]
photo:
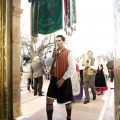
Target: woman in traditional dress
[(77, 86), (100, 81)]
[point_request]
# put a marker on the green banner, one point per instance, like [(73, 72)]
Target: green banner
[(46, 16)]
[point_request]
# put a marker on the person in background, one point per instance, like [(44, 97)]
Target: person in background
[(82, 63), (37, 70), (106, 71), (100, 80), (89, 76), (27, 73), (110, 66), (63, 66)]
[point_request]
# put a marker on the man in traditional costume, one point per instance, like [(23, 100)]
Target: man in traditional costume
[(63, 66), (89, 77)]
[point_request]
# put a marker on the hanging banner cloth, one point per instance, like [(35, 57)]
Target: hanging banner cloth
[(65, 13), (46, 16), (71, 6), (74, 17)]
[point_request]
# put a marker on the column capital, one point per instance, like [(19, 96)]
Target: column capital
[(17, 11)]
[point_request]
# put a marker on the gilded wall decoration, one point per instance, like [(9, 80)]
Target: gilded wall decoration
[(3, 63)]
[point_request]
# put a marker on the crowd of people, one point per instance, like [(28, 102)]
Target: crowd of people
[(70, 79)]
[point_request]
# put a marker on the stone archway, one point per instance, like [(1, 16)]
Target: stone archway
[(15, 48), (15, 58)]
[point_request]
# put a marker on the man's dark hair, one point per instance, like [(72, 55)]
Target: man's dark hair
[(26, 58), (90, 51), (62, 37)]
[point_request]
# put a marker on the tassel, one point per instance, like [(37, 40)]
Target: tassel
[(34, 40)]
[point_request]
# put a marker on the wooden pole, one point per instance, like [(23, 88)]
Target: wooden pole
[(56, 55)]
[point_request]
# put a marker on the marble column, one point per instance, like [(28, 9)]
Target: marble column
[(117, 59)]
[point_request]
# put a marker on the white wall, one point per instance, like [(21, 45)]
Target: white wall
[(95, 29)]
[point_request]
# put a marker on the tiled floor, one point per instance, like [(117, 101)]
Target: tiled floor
[(33, 107)]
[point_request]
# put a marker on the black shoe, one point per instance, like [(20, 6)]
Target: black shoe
[(68, 118), (86, 101), (41, 95), (94, 98), (73, 101), (35, 93), (111, 88), (100, 93), (29, 90)]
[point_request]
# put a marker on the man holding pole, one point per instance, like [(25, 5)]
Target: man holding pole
[(63, 67)]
